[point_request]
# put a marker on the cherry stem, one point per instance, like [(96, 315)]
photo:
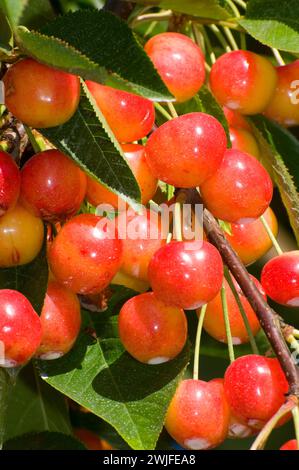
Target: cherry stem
[(208, 45), (201, 317), (286, 408), (242, 311), (163, 111), (172, 110), (271, 235), (220, 37), (160, 16), (234, 8), (295, 413), (278, 56), (241, 3), (229, 338), (230, 38), (177, 223)]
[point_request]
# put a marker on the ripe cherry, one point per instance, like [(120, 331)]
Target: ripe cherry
[(52, 186), (129, 116), (10, 181), (40, 96), (186, 274), (91, 440), (151, 331), (21, 237), (240, 190), (187, 150), (60, 320), (179, 61), (243, 81), (98, 194), (284, 105), (280, 279), (198, 415), (290, 445), (251, 240), (214, 320), (255, 387), (236, 120), (20, 329), (86, 254), (142, 237), (244, 141)]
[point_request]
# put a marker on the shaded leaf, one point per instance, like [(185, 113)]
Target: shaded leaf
[(44, 441), (5, 390), (204, 8), (6, 36), (30, 13)]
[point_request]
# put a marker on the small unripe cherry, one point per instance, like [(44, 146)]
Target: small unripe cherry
[(21, 237), (186, 274), (198, 415), (187, 150), (60, 320), (20, 329), (52, 186), (135, 156), (151, 331), (284, 105), (86, 254), (123, 279), (236, 120), (280, 278), (290, 445), (214, 321), (251, 241), (129, 116), (243, 81), (179, 61), (10, 181), (244, 141), (240, 190), (40, 96)]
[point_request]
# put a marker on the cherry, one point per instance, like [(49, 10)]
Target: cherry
[(20, 329), (244, 185), (280, 278), (187, 150), (143, 236), (60, 320), (251, 240), (52, 186), (186, 274), (243, 81), (179, 61), (129, 116), (10, 181), (151, 331), (284, 105), (198, 415), (98, 194), (255, 387), (91, 440), (244, 141), (236, 120), (131, 282), (214, 321), (21, 237), (40, 96), (86, 254), (290, 445)]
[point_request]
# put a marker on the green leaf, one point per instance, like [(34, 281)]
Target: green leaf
[(212, 348), (30, 279), (280, 151), (212, 9), (5, 390), (101, 376), (274, 23), (226, 226), (35, 406), (30, 13), (44, 441), (87, 138), (6, 36)]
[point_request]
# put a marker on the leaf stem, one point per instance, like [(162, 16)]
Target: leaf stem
[(201, 317), (271, 235), (227, 324), (278, 56), (163, 111), (295, 413)]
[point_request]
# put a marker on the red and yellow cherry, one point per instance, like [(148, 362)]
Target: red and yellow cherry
[(91, 440), (186, 274), (60, 320), (198, 415), (86, 254), (124, 279), (243, 81), (21, 237), (151, 331), (187, 150), (214, 320), (10, 181), (98, 194), (40, 96), (280, 279), (251, 241), (142, 237), (52, 186), (236, 120), (179, 61), (244, 141), (129, 116), (20, 329), (244, 185), (255, 387), (284, 105), (290, 445)]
